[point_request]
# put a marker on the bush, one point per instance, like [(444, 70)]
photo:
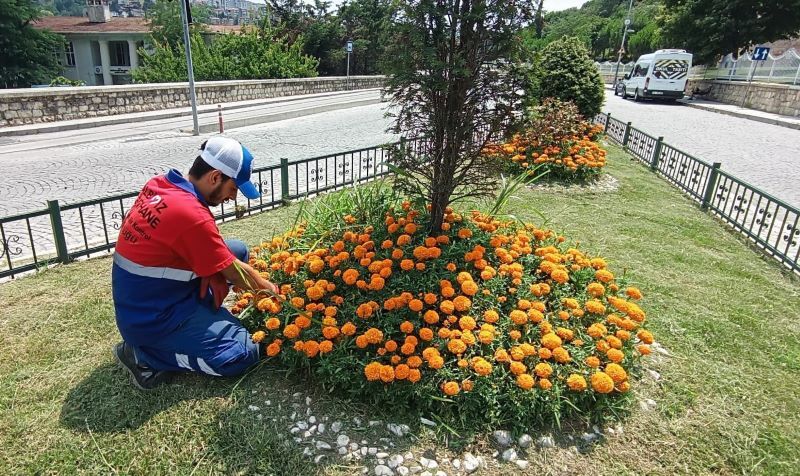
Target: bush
[(488, 323), (555, 141), (567, 72), (62, 81), (250, 55)]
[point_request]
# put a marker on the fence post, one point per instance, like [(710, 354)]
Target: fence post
[(656, 154), (219, 117), (711, 185), (626, 136), (58, 231), (608, 120), (284, 180)]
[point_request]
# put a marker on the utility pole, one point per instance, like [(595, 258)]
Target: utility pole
[(185, 19), (622, 45)]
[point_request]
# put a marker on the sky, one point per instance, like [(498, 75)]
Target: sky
[(549, 5)]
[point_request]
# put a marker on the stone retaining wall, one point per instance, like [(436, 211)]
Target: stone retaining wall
[(775, 98), (37, 105)]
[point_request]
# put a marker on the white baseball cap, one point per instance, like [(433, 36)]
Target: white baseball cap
[(233, 160)]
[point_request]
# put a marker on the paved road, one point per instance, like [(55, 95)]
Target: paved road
[(81, 171), (764, 155), (101, 168)]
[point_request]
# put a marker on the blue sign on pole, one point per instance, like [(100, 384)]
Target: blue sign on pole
[(761, 53)]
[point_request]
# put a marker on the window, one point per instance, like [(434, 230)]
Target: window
[(69, 53), (641, 69), (57, 55), (119, 53)]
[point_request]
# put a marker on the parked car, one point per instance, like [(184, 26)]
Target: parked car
[(659, 75)]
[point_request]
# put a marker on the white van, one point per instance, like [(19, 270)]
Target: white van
[(659, 75)]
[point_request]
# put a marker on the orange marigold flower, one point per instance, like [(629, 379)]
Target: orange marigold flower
[(643, 349), (561, 355), (407, 265), (325, 347), (576, 383), (414, 361), (481, 366), (456, 346), (525, 381), (603, 276), (595, 307), (466, 323), (436, 362), (258, 336), (595, 289), (491, 316), (614, 342), (272, 323), (543, 370), (467, 385), (387, 373), (402, 371), (560, 276), (291, 331), (273, 349), (330, 332), (430, 298), (469, 288), (545, 384), (361, 341), (348, 329), (645, 336), (390, 345), (592, 361), (501, 355), (311, 348), (544, 353), (315, 293), (414, 375), (551, 341), (602, 383), (633, 293), (616, 372), (451, 388), (597, 330), (373, 371), (407, 327), (426, 334), (518, 368), (462, 303), (624, 386), (431, 316)]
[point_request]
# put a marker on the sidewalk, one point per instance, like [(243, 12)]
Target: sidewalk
[(744, 113), (238, 114)]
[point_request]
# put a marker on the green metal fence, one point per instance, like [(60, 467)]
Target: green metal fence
[(37, 239), (770, 223)]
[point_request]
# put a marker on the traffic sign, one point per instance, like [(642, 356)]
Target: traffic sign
[(349, 46), (761, 53)]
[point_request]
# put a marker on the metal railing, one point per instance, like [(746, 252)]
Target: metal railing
[(782, 69), (37, 239), (770, 223), (608, 67)]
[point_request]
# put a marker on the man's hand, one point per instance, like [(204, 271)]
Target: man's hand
[(244, 276), (219, 288)]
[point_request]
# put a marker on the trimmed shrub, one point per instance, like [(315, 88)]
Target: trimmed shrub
[(567, 72)]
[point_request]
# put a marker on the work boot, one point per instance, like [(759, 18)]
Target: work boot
[(142, 376)]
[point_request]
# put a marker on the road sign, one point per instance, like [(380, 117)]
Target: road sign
[(761, 53), (349, 46)]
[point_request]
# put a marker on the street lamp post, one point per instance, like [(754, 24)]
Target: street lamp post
[(622, 45), (189, 66)]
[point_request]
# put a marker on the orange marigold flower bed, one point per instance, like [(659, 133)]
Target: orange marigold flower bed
[(501, 311)]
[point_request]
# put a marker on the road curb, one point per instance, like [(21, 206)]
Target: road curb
[(741, 115)]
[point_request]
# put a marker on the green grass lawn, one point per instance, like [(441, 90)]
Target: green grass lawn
[(728, 400)]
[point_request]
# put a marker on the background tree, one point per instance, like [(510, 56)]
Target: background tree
[(451, 82), (567, 72), (165, 20), (26, 54), (254, 54), (711, 28)]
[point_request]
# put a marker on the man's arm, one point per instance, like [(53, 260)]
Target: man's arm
[(246, 277)]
